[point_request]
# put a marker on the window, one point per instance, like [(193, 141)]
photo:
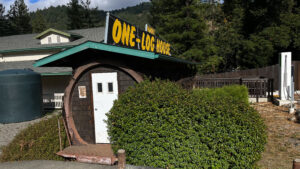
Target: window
[(99, 87), (110, 87), (49, 40), (58, 38)]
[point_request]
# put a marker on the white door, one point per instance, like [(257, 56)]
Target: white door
[(105, 91)]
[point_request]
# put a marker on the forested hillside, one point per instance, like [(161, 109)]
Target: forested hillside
[(228, 36), (56, 17)]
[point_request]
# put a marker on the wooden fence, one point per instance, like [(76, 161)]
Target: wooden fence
[(270, 72), (257, 87)]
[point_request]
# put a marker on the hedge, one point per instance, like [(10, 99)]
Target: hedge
[(39, 141), (159, 124)]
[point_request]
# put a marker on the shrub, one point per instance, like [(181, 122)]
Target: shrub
[(160, 124), (39, 141)]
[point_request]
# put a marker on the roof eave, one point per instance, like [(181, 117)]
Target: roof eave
[(36, 49), (108, 48), (53, 30), (174, 59)]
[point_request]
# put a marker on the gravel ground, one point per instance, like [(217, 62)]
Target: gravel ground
[(283, 144), (9, 131)]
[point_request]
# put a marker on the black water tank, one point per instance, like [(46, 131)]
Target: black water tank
[(20, 96)]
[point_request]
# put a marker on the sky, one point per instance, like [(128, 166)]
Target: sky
[(105, 5)]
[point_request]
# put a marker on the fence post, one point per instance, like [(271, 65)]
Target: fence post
[(241, 81), (269, 88), (121, 159), (272, 89), (256, 91), (296, 164)]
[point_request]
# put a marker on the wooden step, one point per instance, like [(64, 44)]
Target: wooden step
[(91, 153)]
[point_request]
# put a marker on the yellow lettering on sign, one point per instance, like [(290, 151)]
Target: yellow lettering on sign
[(132, 36), (152, 43), (158, 46), (151, 30), (168, 49), (148, 42), (125, 34), (116, 32), (143, 42), (162, 47)]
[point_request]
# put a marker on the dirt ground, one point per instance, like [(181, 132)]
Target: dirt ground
[(283, 137)]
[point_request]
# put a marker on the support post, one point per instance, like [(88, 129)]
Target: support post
[(296, 164), (67, 133), (60, 146), (106, 27), (272, 89), (121, 159), (256, 92)]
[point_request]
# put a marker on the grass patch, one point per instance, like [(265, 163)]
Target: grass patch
[(39, 141)]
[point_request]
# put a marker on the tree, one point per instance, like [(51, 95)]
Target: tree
[(2, 20), (88, 17), (2, 10), (38, 22), (182, 24), (229, 42), (255, 31), (75, 15), (19, 18), (5, 26)]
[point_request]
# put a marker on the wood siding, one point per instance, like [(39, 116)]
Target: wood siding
[(82, 108)]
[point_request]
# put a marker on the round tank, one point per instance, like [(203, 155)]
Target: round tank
[(20, 96)]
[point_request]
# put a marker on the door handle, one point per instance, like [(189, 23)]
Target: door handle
[(96, 109)]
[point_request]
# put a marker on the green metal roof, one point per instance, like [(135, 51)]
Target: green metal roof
[(108, 48), (36, 49), (57, 74)]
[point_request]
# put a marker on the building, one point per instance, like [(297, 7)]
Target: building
[(101, 71), (21, 51)]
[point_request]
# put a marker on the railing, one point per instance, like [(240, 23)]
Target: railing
[(53, 101), (257, 87)]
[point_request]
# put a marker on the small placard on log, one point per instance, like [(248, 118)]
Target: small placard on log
[(82, 92)]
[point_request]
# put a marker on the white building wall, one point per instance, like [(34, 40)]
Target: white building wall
[(23, 57), (54, 39)]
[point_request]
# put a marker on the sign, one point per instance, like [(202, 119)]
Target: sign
[(149, 29), (121, 33), (82, 92)]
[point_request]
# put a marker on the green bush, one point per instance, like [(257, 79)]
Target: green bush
[(160, 124), (39, 141)]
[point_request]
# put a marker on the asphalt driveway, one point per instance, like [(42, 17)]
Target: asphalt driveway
[(45, 164), (48, 164)]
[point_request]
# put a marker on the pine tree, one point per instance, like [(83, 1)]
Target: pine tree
[(2, 20), (19, 18), (38, 22), (88, 18), (5, 27), (2, 10), (182, 24), (75, 15)]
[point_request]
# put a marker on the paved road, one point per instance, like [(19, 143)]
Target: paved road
[(45, 164)]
